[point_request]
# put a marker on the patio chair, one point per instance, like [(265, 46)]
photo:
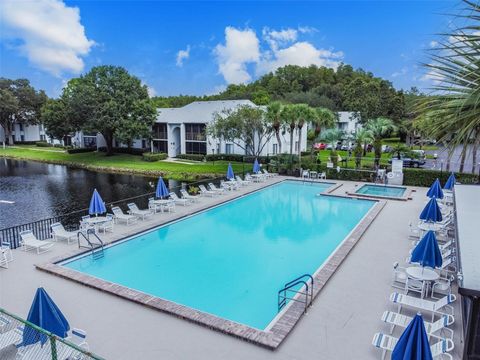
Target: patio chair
[(134, 210), (399, 276), (242, 182), (85, 225), (422, 304), (29, 241), (229, 185), (59, 233), (439, 349), (6, 256), (322, 176), (177, 200), (212, 187), (442, 285), (106, 225), (441, 325), (186, 195), (119, 215), (205, 192), (79, 338)]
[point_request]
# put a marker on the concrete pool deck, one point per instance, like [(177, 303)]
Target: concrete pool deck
[(339, 325)]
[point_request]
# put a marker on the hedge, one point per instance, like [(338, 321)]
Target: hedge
[(151, 157), (80, 150), (124, 150), (43, 144), (421, 177), (25, 142), (194, 157)]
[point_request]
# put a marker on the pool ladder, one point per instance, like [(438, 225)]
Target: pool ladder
[(96, 247), (303, 295)]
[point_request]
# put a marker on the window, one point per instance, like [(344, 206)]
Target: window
[(159, 131), (195, 139), (196, 147), (20, 125), (228, 148), (89, 141), (42, 138), (22, 137), (296, 145), (144, 144), (275, 149), (160, 146)]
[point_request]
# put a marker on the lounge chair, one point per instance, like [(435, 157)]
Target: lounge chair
[(205, 192), (269, 174), (79, 338), (11, 337), (212, 187), (134, 210), (439, 349), (29, 241), (186, 195), (119, 215), (396, 319), (434, 307), (177, 200), (59, 233), (242, 182), (6, 256)]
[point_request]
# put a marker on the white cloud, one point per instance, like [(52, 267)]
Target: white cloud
[(182, 55), (151, 91), (402, 72), (275, 38), (51, 34), (433, 43), (241, 47)]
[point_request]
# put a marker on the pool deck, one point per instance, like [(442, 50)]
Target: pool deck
[(339, 325)]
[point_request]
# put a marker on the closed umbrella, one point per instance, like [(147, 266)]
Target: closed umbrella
[(413, 344), (450, 182), (427, 252), (256, 166), (435, 190), (162, 191), (230, 174), (97, 206), (431, 212), (45, 314)]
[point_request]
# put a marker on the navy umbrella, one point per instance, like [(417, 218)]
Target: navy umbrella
[(230, 174), (427, 252), (256, 166), (450, 182), (413, 344), (97, 206), (431, 212), (162, 191), (435, 190), (45, 314)]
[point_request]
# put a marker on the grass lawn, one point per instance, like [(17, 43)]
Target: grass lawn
[(124, 163)]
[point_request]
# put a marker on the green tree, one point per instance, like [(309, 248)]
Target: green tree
[(379, 128), (110, 101), (304, 114), (54, 116), (362, 138), (274, 117), (19, 102), (331, 137), (245, 126)]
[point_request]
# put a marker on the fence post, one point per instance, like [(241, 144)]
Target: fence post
[(53, 346)]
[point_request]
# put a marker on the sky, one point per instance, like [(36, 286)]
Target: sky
[(200, 47)]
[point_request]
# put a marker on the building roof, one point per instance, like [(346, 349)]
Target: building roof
[(198, 111)]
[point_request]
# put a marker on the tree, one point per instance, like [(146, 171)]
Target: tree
[(362, 138), (19, 102), (112, 102), (332, 136), (55, 118), (273, 115), (289, 118), (379, 128), (245, 126), (303, 113), (325, 119)]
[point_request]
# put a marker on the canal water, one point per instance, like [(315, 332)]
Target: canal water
[(31, 191)]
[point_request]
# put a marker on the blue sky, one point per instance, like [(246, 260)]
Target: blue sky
[(200, 47)]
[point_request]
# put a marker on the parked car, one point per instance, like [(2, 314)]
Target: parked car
[(320, 146), (409, 162), (419, 154)]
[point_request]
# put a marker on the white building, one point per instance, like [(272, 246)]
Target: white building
[(22, 132), (348, 122)]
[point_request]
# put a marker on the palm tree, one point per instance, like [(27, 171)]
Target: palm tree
[(303, 113), (379, 128), (289, 118), (362, 138), (274, 112), (325, 119), (452, 115), (332, 136)]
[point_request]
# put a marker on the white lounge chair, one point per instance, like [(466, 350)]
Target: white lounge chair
[(269, 174), (11, 337), (29, 241), (205, 192), (242, 182), (387, 343), (212, 187), (186, 195), (119, 215), (440, 326), (6, 256), (177, 200), (435, 307), (59, 233), (134, 210), (78, 337)]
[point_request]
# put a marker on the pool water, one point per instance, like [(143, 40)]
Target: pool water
[(232, 259), (381, 190)]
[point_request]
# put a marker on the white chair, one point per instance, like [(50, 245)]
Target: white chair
[(153, 206), (59, 233), (29, 241), (399, 278), (440, 326), (177, 200), (268, 174), (442, 286), (107, 225), (415, 285), (421, 304), (85, 225), (322, 176), (439, 349), (306, 174), (212, 187), (134, 210), (205, 192), (119, 215), (79, 338), (186, 195), (6, 255), (228, 185), (242, 182)]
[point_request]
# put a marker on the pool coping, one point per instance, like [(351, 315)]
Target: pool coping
[(285, 320), (407, 195)]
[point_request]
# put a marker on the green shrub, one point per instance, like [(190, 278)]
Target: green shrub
[(421, 177), (59, 146), (43, 144), (194, 157), (80, 150), (25, 142), (124, 150), (151, 157)]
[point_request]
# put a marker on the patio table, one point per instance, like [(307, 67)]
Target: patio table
[(426, 276)]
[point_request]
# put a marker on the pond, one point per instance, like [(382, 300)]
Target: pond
[(31, 191)]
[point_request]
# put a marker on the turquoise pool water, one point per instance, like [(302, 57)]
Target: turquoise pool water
[(231, 260), (381, 190)]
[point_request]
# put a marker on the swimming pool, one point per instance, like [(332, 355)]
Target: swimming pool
[(381, 190), (231, 260)]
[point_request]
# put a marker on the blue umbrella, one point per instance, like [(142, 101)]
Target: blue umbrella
[(413, 344), (162, 190), (256, 166), (450, 182), (45, 314), (431, 212), (427, 252), (97, 206), (230, 174), (435, 190)]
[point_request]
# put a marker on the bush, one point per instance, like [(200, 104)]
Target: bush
[(25, 142), (80, 150), (124, 150), (59, 146), (43, 144), (194, 157), (151, 157), (421, 177)]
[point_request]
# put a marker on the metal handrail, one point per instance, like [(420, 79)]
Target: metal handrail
[(87, 238), (282, 293)]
